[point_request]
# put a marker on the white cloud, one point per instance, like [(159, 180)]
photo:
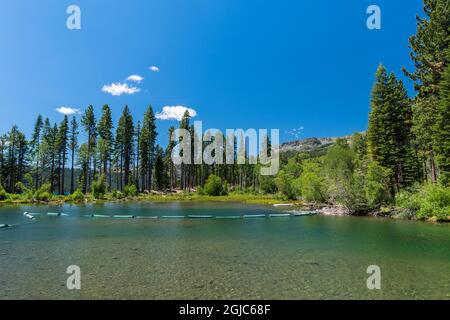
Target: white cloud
[(174, 113), (154, 68), (135, 78), (68, 111), (117, 89)]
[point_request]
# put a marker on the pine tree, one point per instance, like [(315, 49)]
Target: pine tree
[(126, 132), (73, 146), (442, 127), (170, 165), (429, 46), (35, 147), (138, 156), (184, 124), (83, 162), (89, 123), (389, 134), (14, 158), (147, 147), (376, 133), (105, 143), (428, 52), (62, 140), (161, 179)]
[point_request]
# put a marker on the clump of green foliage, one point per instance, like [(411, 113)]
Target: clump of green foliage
[(25, 192), (3, 194), (130, 190), (287, 180), (99, 187), (214, 186), (267, 185), (77, 196), (429, 201), (43, 193), (116, 194), (311, 182)]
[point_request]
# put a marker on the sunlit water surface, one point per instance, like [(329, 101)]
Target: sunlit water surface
[(269, 258)]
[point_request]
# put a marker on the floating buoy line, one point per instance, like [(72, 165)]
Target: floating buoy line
[(288, 214)]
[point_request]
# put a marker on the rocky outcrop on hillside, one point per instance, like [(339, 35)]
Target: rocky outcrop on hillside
[(307, 145)]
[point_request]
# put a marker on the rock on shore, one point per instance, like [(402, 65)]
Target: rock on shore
[(333, 211)]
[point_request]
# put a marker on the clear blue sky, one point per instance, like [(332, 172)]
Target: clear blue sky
[(238, 63)]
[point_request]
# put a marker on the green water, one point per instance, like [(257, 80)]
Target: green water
[(279, 258)]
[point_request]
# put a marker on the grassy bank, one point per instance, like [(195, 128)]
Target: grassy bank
[(109, 197)]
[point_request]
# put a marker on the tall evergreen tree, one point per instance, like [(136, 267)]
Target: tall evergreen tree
[(184, 124), (442, 126), (161, 178), (14, 162), (89, 123), (389, 132), (73, 146), (428, 48), (126, 131), (170, 165), (105, 144), (35, 148), (62, 141), (137, 157), (147, 148)]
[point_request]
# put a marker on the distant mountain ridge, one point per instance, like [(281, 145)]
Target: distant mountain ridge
[(309, 144)]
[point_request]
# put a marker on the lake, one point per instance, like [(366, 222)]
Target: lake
[(312, 257)]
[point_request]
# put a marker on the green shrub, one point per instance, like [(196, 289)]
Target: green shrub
[(21, 188), (3, 194), (225, 188), (428, 201), (377, 185), (407, 203), (130, 191), (43, 193), (44, 196), (311, 182), (267, 184), (116, 194), (77, 196), (214, 186), (99, 187), (435, 203), (200, 191)]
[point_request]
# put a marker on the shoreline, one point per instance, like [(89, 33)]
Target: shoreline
[(325, 210)]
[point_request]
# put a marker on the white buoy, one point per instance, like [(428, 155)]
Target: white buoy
[(279, 215), (250, 216), (147, 217), (29, 216)]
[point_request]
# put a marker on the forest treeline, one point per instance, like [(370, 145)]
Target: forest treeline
[(401, 161)]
